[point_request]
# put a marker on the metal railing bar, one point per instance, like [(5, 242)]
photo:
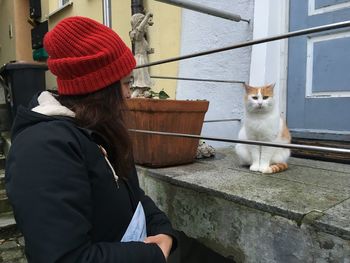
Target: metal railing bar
[(195, 79), (252, 42), (205, 9), (223, 120), (251, 142)]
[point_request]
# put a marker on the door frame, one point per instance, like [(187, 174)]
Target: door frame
[(269, 61), (268, 14)]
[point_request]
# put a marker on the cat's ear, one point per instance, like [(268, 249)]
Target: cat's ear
[(271, 87), (247, 88)]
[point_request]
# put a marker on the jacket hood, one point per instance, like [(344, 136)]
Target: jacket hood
[(43, 108)]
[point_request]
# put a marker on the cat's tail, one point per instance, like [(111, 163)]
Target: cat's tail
[(277, 167)]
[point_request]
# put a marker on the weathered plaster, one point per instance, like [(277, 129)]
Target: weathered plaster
[(203, 32)]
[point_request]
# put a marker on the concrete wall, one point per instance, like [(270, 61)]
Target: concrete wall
[(203, 32), (269, 60), (15, 39), (89, 8), (164, 37), (121, 14), (7, 42), (22, 31), (248, 235)]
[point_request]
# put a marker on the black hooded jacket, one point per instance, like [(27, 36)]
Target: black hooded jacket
[(66, 201)]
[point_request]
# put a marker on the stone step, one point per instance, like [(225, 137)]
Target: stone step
[(6, 220), (2, 179), (2, 162), (11, 240), (4, 202), (299, 215), (2, 172)]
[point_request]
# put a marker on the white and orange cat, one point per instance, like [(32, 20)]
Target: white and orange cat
[(263, 123)]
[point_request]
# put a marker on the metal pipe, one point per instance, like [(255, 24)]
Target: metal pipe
[(137, 7), (223, 120), (271, 144), (253, 42), (192, 79), (205, 9), (107, 13)]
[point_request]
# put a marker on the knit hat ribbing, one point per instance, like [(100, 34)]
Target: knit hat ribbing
[(86, 56)]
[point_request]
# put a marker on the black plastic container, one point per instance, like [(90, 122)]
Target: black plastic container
[(22, 80)]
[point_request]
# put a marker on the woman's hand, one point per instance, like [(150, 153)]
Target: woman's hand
[(165, 243)]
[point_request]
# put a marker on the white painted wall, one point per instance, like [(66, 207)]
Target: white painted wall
[(258, 65), (203, 32), (269, 60)]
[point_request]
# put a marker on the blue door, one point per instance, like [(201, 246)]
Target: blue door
[(318, 100)]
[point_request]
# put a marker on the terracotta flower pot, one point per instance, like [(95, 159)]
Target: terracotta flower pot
[(167, 116)]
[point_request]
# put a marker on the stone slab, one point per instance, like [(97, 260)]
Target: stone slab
[(248, 235), (2, 179), (336, 220), (307, 187), (6, 219)]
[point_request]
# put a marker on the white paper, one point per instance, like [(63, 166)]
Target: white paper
[(136, 230)]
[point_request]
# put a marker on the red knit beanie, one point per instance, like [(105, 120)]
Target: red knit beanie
[(86, 56)]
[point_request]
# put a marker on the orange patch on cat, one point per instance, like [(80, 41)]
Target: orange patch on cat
[(266, 90), (248, 91), (278, 167), (285, 133)]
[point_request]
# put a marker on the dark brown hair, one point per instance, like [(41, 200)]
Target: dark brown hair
[(102, 112)]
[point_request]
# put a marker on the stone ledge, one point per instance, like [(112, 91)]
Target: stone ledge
[(2, 179), (6, 221), (308, 202), (307, 187)]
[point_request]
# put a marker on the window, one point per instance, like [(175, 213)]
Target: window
[(62, 2)]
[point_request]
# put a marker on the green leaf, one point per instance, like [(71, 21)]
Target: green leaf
[(163, 95)]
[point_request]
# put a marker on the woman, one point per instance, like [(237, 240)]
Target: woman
[(69, 173)]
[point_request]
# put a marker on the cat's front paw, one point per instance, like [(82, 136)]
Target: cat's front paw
[(266, 170), (254, 167)]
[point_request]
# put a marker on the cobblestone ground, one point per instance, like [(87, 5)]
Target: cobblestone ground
[(11, 246)]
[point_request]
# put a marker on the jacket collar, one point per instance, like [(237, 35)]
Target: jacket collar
[(49, 106)]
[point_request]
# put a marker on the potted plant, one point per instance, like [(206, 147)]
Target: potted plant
[(146, 113), (176, 116)]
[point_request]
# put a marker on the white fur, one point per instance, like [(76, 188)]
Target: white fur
[(49, 106), (262, 123)]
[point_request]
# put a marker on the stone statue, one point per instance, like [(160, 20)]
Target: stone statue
[(142, 81)]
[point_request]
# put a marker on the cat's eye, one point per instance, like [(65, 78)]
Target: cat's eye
[(254, 97), (265, 97)]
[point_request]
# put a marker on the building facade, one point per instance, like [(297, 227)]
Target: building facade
[(312, 87)]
